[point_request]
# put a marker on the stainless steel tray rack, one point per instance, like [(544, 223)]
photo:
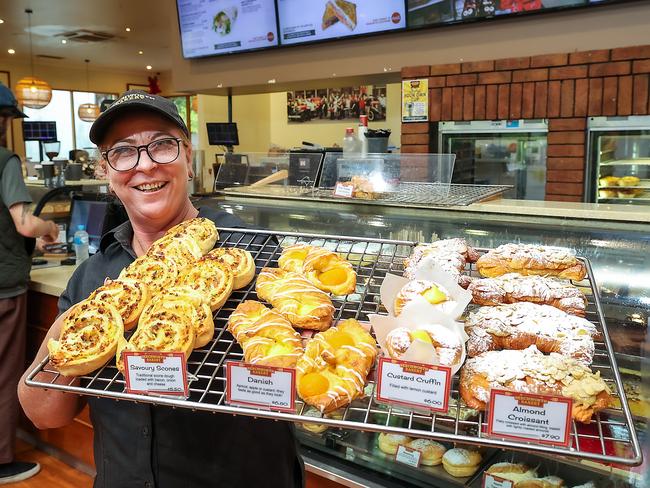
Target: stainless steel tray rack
[(611, 436)]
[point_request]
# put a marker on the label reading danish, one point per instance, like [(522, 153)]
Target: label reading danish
[(408, 456), (531, 417), (417, 385), (493, 481), (266, 387), (343, 190), (159, 373)]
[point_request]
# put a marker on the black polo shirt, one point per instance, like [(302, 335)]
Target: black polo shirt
[(140, 445)]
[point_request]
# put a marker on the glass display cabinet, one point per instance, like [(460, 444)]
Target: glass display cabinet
[(500, 152), (619, 160)]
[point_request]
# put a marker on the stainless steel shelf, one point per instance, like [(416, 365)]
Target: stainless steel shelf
[(610, 437)]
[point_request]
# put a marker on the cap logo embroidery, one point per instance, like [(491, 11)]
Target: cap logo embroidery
[(130, 97)]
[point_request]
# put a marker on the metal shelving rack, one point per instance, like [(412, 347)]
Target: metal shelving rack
[(611, 437)]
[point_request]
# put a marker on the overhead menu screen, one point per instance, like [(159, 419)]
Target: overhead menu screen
[(213, 27), (316, 20)]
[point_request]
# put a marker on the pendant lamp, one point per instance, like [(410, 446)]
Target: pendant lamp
[(88, 112), (32, 92)]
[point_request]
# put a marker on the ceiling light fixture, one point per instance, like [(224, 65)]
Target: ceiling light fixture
[(11, 51), (32, 92), (64, 41), (88, 112), (271, 81), (140, 52), (128, 29), (149, 66), (2, 21)]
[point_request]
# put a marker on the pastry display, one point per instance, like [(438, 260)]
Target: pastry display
[(241, 264), (327, 270), (266, 337), (461, 462), (166, 325), (373, 187), (629, 181), (544, 290), (88, 339), (211, 277), (531, 259), (447, 345), (431, 452), (129, 297), (522, 324), (295, 297), (515, 472), (332, 372), (434, 293), (450, 255), (630, 192), (389, 443), (531, 371), (609, 181)]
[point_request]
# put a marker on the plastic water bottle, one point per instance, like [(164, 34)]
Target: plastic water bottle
[(81, 244), (350, 142)]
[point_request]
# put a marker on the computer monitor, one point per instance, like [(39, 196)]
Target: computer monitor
[(89, 210), (222, 134), (39, 131)]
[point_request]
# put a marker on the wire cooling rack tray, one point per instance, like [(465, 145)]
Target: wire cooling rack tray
[(611, 436)]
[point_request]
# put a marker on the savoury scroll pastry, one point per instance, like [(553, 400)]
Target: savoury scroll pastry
[(88, 339), (211, 277), (128, 296), (266, 337), (513, 287), (295, 297), (531, 371), (166, 325), (447, 345), (327, 270), (520, 325), (332, 372), (241, 264), (530, 259), (156, 273), (201, 316), (201, 230), (450, 255), (434, 293)]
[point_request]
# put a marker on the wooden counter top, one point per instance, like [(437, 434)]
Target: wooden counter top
[(51, 280)]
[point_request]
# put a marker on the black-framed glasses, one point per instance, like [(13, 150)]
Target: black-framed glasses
[(160, 151)]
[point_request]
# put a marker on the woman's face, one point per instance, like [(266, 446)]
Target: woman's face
[(150, 192)]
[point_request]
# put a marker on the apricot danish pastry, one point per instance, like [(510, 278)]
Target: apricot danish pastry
[(531, 259), (88, 339), (327, 270), (241, 264), (513, 287), (296, 298), (434, 293), (166, 325), (519, 325), (266, 337), (529, 370), (128, 296), (332, 372), (212, 278)]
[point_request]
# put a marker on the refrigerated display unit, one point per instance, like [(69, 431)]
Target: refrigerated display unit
[(618, 169), (498, 152)]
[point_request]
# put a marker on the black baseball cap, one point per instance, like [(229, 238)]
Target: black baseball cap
[(9, 104), (134, 101)]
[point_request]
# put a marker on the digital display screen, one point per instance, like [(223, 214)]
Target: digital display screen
[(91, 214), (213, 27), (316, 20)]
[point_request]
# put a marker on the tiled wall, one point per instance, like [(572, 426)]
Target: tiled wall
[(564, 88)]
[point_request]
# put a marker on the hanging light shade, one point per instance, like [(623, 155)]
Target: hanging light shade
[(88, 112), (33, 93)]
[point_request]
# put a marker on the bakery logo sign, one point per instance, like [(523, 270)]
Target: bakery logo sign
[(414, 368), (533, 401), (257, 371), (153, 358)]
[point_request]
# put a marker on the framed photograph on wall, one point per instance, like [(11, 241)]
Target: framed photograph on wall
[(137, 86), (5, 79)]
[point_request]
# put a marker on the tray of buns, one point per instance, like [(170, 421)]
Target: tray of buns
[(314, 303)]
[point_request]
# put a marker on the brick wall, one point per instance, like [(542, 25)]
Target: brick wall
[(565, 88)]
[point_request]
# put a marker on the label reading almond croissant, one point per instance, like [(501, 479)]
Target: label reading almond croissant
[(416, 385), (159, 373), (493, 481), (526, 416), (261, 386)]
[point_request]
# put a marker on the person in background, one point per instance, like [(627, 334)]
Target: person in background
[(145, 145), (16, 223)]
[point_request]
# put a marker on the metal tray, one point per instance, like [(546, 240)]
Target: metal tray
[(610, 437)]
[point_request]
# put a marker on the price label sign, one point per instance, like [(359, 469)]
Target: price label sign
[(408, 456), (423, 386), (343, 190), (493, 481), (261, 386), (160, 373), (526, 416)]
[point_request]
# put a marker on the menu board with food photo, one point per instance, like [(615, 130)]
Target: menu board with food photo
[(314, 20), (225, 26)]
